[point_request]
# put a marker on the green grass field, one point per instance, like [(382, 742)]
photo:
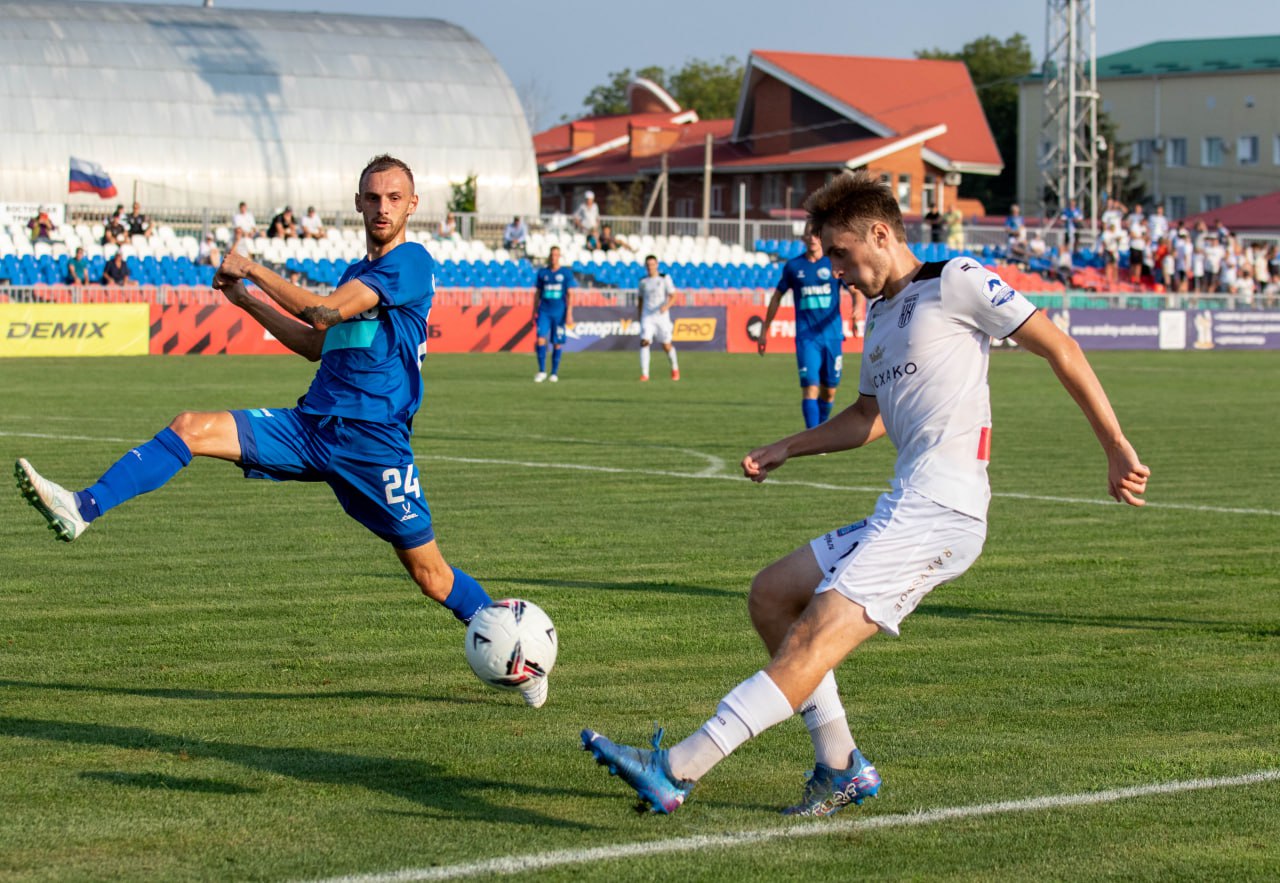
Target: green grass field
[(229, 680)]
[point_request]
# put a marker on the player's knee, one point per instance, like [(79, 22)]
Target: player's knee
[(191, 426)]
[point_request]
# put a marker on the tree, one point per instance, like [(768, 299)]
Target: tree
[(1119, 177), (463, 198), (995, 67), (708, 87)]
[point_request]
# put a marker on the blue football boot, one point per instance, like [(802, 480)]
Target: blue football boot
[(646, 771), (828, 791)]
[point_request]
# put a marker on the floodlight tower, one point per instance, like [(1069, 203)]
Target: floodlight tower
[(1069, 133)]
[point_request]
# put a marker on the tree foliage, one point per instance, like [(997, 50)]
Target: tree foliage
[(995, 66), (463, 195), (708, 87)]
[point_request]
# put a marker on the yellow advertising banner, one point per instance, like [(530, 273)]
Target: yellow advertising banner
[(74, 329)]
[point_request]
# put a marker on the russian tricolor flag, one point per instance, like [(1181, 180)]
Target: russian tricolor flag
[(89, 177)]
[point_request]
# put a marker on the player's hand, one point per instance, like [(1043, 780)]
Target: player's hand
[(233, 290), (234, 265), (759, 463), (762, 344), (1126, 475)]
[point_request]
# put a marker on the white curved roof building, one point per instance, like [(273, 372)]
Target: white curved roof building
[(208, 107)]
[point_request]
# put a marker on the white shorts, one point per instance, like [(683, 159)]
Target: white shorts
[(656, 327), (887, 563)]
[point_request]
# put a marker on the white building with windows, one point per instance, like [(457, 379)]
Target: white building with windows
[(1201, 117)]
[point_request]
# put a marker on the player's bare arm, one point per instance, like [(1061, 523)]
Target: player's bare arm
[(321, 313), (1126, 475), (855, 426), (303, 339), (774, 303)]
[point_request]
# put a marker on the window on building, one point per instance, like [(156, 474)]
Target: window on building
[(1211, 151), (771, 191), (1210, 202), (904, 192), (799, 189), (1244, 197), (717, 200), (1144, 151), (1176, 206), (929, 193), (1175, 152), (684, 207), (1247, 150)]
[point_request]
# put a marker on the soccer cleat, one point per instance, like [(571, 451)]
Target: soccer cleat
[(535, 692), (675, 374), (540, 376), (54, 502), (644, 378), (554, 378), (646, 771), (828, 791)]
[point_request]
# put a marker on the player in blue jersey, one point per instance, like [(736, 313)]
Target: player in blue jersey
[(552, 313), (352, 428), (815, 291)]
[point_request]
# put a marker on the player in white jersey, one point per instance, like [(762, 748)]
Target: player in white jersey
[(924, 384), (656, 293)]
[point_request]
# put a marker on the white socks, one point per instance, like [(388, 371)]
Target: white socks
[(750, 708), (675, 364), (824, 715), (644, 361)]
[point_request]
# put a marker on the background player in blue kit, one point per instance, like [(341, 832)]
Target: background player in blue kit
[(815, 291), (552, 312), (352, 428)]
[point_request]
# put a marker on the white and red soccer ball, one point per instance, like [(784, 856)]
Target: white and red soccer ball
[(511, 643)]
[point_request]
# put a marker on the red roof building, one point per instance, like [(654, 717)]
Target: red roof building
[(801, 119), (1259, 216)]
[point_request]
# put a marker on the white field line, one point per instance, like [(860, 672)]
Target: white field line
[(714, 470), (823, 486), (560, 858)]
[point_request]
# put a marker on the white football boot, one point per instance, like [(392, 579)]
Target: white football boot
[(54, 502)]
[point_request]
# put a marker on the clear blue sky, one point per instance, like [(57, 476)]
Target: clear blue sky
[(555, 51)]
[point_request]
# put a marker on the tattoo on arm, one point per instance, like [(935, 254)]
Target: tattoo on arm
[(321, 315)]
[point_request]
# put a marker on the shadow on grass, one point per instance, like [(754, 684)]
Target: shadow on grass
[(416, 781), (161, 782), (662, 588), (1152, 623)]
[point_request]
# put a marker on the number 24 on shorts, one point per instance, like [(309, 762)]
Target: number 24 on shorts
[(396, 482)]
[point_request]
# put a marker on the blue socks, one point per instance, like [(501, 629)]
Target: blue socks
[(824, 410), (541, 350), (809, 408), (143, 469), (467, 598), (555, 360)]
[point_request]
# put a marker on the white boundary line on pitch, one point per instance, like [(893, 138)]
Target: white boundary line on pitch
[(621, 470), (560, 858), (713, 472)]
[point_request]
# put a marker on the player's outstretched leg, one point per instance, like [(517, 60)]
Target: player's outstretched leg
[(647, 771), (829, 790), (54, 502)]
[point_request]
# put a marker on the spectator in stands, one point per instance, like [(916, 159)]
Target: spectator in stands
[(934, 219), (1215, 252), (1114, 214), (78, 269), (1138, 242), (609, 242), (311, 226), (448, 228), (1065, 267), (1182, 258), (42, 227), (955, 228), (138, 223), (1158, 224), (244, 225), (283, 225), (586, 219), (1013, 224), (117, 271), (1036, 246), (1111, 236), (115, 231), (1221, 229), (209, 255), (515, 236), (1019, 252), (1071, 218)]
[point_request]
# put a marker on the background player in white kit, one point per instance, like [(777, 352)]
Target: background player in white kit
[(924, 384), (653, 308)]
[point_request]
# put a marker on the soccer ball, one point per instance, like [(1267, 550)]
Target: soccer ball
[(511, 643)]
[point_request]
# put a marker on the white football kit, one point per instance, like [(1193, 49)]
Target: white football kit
[(924, 360), (655, 323)]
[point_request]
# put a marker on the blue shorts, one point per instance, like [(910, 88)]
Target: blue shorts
[(820, 361), (369, 466), (551, 327)]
